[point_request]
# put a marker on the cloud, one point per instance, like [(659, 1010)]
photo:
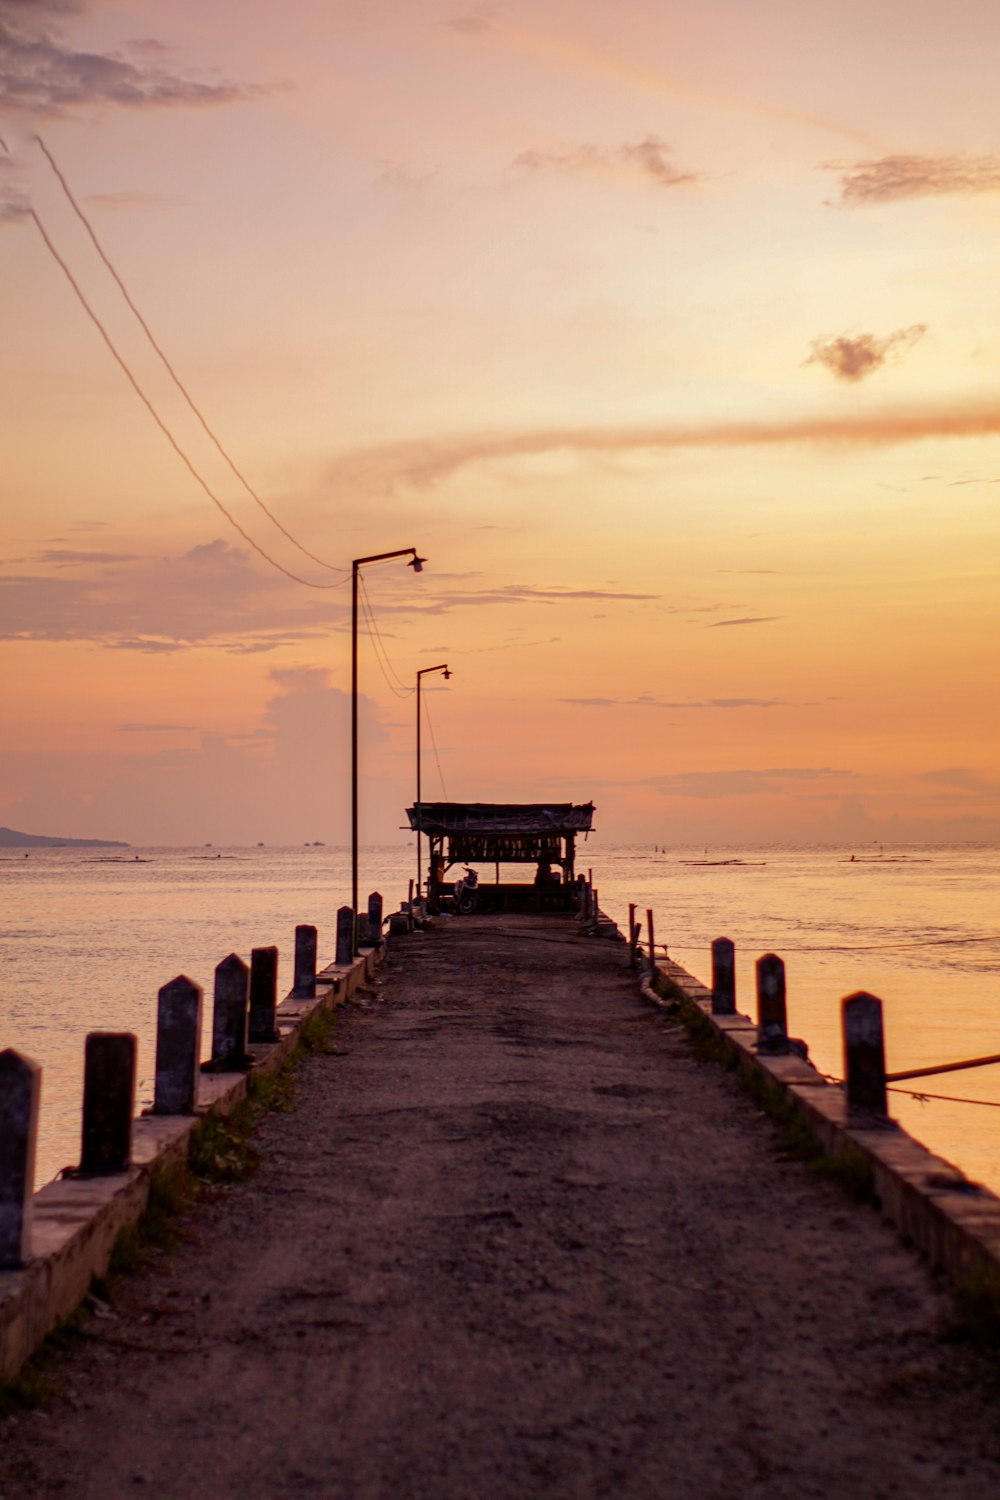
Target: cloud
[(962, 779), (64, 555), (740, 783), (743, 620), (134, 198), (214, 595), (852, 357), (15, 205), (649, 156), (889, 179), (644, 701), (424, 462), (475, 22), (157, 729), (40, 71)]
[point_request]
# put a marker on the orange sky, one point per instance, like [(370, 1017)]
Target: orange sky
[(668, 335)]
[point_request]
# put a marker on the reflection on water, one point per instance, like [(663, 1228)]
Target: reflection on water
[(87, 938)]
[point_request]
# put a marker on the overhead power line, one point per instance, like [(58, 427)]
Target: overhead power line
[(430, 726), (169, 367), (381, 654)]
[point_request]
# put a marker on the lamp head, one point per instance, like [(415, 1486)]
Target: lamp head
[(447, 674), (416, 563)]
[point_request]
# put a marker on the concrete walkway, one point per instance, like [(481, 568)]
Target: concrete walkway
[(514, 1242)]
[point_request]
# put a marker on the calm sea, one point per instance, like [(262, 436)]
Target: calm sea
[(87, 937)]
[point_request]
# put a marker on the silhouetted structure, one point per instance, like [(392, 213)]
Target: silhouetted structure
[(542, 834)]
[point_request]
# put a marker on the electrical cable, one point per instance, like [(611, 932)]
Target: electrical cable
[(381, 655), (120, 361), (169, 367), (430, 726), (381, 652)]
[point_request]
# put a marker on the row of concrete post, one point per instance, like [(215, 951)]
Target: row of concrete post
[(861, 1018), (244, 1013)]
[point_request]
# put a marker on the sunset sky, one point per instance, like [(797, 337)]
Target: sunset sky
[(670, 335)]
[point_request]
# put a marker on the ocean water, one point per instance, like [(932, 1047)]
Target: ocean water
[(87, 937)]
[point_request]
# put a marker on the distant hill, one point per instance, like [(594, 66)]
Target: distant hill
[(11, 839)]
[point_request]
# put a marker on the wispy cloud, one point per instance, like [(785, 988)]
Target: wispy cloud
[(62, 556), (650, 157), (743, 620), (476, 21), (129, 199), (644, 701), (158, 729), (742, 783), (42, 72), (213, 595), (421, 463), (889, 179), (853, 356), (962, 779)]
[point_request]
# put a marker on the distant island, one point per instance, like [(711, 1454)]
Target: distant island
[(11, 839)]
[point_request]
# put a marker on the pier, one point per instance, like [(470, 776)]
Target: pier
[(517, 1240)]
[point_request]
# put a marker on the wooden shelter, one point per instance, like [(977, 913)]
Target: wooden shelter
[(496, 833)]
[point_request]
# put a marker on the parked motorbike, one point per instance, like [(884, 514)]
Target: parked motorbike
[(466, 895)]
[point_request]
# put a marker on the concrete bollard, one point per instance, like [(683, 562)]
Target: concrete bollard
[(305, 962), (229, 1014), (633, 934), (595, 912), (20, 1085), (263, 995), (365, 939), (345, 937), (864, 1055), (772, 1019), (409, 907), (723, 977), (108, 1102), (178, 1047), (375, 918), (651, 937)]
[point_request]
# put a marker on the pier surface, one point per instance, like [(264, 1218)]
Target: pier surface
[(516, 1241)]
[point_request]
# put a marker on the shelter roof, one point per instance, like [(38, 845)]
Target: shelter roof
[(502, 817)]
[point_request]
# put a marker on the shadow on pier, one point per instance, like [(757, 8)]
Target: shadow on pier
[(516, 1241)]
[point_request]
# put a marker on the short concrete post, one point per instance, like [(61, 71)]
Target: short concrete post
[(263, 995), (178, 1047), (596, 913), (229, 1014), (864, 1055), (345, 937), (20, 1085), (108, 1101), (305, 962), (409, 906), (375, 918), (772, 1020), (364, 933), (633, 934), (651, 937), (723, 977)]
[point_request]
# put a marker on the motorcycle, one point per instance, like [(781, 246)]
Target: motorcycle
[(466, 896)]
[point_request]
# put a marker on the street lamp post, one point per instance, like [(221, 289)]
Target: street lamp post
[(416, 563), (423, 673)]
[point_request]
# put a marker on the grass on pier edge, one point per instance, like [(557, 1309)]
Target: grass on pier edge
[(976, 1295), (221, 1152)]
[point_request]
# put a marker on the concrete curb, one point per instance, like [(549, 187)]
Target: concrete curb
[(955, 1223), (75, 1222)]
